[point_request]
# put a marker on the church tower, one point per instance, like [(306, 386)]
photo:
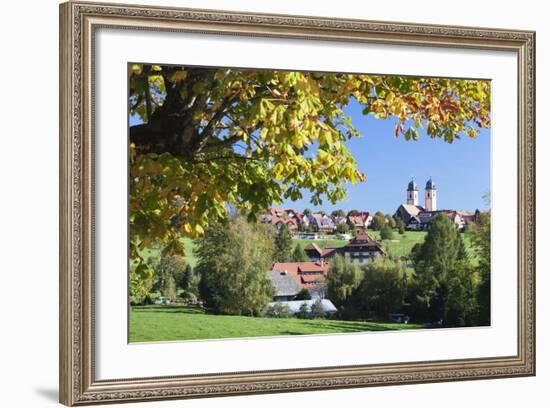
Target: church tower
[(412, 193), (430, 197)]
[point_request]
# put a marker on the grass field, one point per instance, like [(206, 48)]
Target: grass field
[(401, 244), (189, 246), (165, 323), (322, 243)]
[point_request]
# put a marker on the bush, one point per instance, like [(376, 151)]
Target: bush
[(278, 310), (187, 295), (317, 310), (386, 233), (400, 226), (343, 228), (303, 312)]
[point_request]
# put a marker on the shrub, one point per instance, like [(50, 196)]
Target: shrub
[(317, 310), (386, 233), (303, 312), (278, 310)]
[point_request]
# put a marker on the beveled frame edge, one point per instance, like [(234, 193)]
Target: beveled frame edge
[(76, 349)]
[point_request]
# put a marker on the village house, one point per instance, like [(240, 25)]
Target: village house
[(281, 216), (321, 223), (285, 286), (359, 249), (309, 275), (315, 253), (359, 220)]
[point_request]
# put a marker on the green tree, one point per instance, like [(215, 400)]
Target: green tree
[(188, 283), (342, 228), (299, 254), (303, 312), (344, 277), (391, 221), (386, 232), (169, 273), (462, 306), (338, 213), (233, 259), (303, 294), (283, 245), (383, 287), (480, 233), (183, 274), (378, 221), (213, 138), (444, 276), (317, 310), (400, 226), (307, 211)]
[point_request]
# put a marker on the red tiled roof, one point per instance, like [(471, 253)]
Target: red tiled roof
[(275, 220), (312, 278), (295, 268), (313, 267)]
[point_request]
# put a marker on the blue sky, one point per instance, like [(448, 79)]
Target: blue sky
[(461, 170)]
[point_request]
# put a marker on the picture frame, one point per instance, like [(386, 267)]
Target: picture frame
[(79, 22)]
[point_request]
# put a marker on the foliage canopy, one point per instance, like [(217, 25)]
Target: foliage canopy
[(209, 138)]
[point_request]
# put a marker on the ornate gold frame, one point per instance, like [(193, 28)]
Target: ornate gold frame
[(78, 22)]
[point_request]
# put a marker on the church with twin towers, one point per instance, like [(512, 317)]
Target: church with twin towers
[(430, 195), (419, 217)]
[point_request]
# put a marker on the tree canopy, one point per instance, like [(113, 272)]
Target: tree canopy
[(446, 282), (232, 261), (283, 251), (212, 138), (344, 277)]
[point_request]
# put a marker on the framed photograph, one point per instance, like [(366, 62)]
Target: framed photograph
[(256, 203)]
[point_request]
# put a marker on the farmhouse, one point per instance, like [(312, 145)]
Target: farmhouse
[(285, 286), (359, 249), (315, 253), (309, 275), (362, 248)]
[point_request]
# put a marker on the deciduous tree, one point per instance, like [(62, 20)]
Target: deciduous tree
[(283, 245), (233, 260), (299, 254), (480, 233), (343, 279), (208, 138), (378, 221)]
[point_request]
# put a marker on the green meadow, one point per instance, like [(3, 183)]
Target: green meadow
[(166, 323)]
